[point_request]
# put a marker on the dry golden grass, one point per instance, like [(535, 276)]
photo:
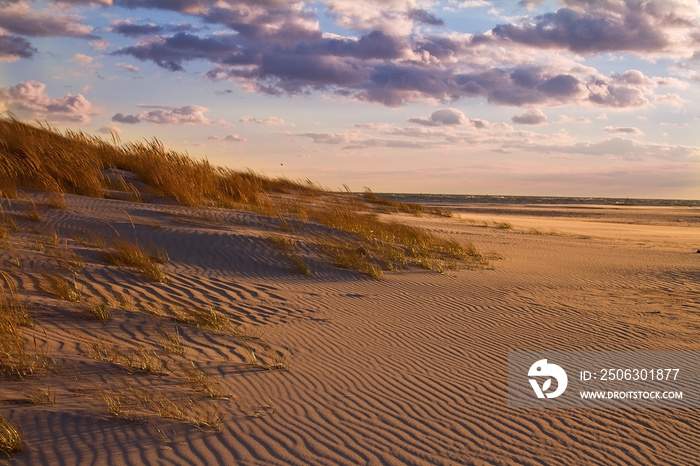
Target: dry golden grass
[(66, 258), (15, 358), (208, 318), (56, 201), (73, 162), (388, 245), (129, 254), (98, 311), (140, 359), (61, 288), (288, 247), (10, 440), (200, 381), (387, 205), (171, 343)]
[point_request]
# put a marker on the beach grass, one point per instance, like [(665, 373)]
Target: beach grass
[(125, 253), (10, 439), (61, 288), (44, 158)]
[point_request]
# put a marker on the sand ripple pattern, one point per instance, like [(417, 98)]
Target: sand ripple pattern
[(408, 370)]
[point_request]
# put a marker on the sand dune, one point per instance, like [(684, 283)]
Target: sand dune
[(410, 369)]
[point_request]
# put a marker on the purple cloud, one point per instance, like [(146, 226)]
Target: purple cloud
[(129, 29), (128, 119), (229, 138), (422, 16), (623, 130), (442, 117), (163, 115), (530, 117), (275, 47), (19, 18), (15, 47), (587, 31)]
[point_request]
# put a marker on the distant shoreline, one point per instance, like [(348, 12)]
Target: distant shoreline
[(558, 200)]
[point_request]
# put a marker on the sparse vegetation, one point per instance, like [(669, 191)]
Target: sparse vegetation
[(66, 258), (10, 440), (305, 222), (140, 359), (171, 343), (15, 358), (98, 311), (61, 288), (129, 254), (288, 246), (200, 381), (73, 162), (56, 201), (387, 205)]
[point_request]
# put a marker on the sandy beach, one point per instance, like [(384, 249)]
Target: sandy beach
[(409, 369)]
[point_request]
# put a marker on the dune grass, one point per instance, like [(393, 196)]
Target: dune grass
[(10, 439), (288, 247), (42, 157), (61, 288), (126, 253), (15, 358)]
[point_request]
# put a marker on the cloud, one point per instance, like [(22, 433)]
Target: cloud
[(129, 29), (101, 2), (229, 138), (529, 4), (171, 52), (623, 130), (29, 98), (19, 18), (530, 117), (128, 119), (329, 138), (602, 26), (269, 121), (422, 16), (82, 59), (673, 100), (14, 47), (109, 129), (445, 116), (127, 67), (187, 115), (449, 117), (572, 119), (620, 147), (473, 4), (277, 47)]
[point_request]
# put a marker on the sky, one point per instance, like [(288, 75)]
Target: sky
[(534, 97)]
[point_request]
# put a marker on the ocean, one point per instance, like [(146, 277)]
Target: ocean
[(525, 200)]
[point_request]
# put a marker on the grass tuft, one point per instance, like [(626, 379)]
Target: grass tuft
[(288, 246), (99, 312), (200, 381), (129, 254), (59, 287), (15, 358), (208, 318), (10, 440)]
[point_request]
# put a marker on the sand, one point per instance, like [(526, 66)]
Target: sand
[(410, 369)]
